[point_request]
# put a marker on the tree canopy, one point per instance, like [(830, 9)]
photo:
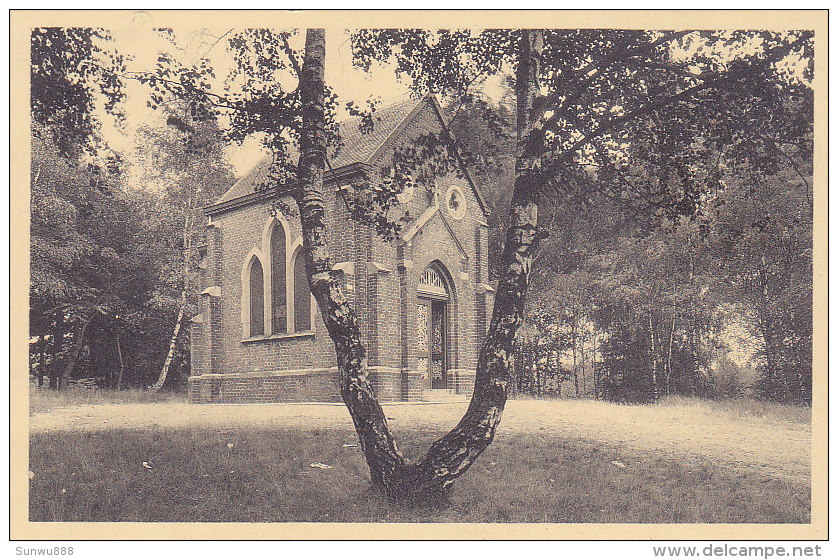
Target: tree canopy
[(657, 135)]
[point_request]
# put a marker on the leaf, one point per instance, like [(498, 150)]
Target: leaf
[(321, 466)]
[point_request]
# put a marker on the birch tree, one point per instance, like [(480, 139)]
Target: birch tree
[(584, 99), (182, 159)]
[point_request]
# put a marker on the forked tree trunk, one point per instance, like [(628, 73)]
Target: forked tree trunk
[(430, 478)]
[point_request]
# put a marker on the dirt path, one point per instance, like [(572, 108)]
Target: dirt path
[(774, 447)]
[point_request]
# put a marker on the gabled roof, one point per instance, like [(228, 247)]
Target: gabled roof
[(359, 146)]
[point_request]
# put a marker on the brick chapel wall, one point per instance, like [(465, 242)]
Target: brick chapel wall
[(374, 279), (242, 230), (432, 243)]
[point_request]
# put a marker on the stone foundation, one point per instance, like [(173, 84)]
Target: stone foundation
[(387, 383), (308, 385), (315, 385), (461, 381)]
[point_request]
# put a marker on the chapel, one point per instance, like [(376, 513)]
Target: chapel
[(421, 299)]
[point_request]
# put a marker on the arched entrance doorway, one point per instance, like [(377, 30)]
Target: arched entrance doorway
[(434, 298)]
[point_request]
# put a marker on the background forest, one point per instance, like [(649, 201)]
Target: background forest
[(629, 302), (632, 306)]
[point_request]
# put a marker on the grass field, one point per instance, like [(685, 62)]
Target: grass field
[(257, 474), (44, 400), (742, 408)]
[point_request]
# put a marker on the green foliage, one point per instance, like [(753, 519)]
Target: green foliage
[(485, 131), (70, 67), (183, 162), (439, 61), (104, 255), (727, 378), (539, 352), (762, 236), (88, 265), (639, 130), (259, 98), (671, 167), (628, 114)]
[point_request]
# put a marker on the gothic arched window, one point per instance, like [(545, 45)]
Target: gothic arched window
[(279, 306), (257, 299), (302, 294)]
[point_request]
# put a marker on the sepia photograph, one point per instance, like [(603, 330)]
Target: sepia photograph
[(377, 269)]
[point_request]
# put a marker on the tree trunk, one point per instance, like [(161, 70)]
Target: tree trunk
[(429, 479), (654, 372), (582, 367), (164, 372), (774, 376), (669, 353), (78, 343), (42, 361), (515, 382), (187, 255), (55, 349), (121, 364), (695, 378), (594, 365), (573, 342)]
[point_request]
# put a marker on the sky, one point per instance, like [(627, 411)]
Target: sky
[(134, 35), (138, 39)]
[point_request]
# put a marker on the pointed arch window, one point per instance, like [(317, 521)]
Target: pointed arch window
[(257, 299), (302, 294), (279, 303)]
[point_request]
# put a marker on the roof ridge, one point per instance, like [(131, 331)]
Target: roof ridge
[(358, 146), (390, 105)]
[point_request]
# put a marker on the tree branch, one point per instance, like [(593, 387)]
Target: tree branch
[(589, 72), (223, 101), (674, 68), (218, 40), (772, 56), (773, 145), (295, 64)]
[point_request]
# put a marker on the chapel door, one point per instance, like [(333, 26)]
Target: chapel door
[(432, 319), (432, 327), (437, 336)]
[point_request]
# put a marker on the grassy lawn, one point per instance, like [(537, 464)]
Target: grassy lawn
[(45, 400), (732, 409), (258, 474)]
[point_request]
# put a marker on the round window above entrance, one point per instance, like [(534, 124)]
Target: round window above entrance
[(455, 201)]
